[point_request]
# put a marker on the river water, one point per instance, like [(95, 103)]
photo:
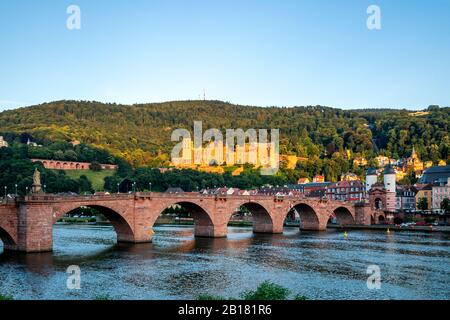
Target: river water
[(319, 265)]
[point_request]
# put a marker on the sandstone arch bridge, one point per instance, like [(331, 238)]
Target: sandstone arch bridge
[(26, 222)]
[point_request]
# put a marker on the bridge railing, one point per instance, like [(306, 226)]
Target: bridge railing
[(184, 195), (51, 197)]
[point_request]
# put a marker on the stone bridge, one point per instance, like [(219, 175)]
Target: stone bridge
[(26, 223)]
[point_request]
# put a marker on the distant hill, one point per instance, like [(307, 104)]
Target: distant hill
[(141, 133)]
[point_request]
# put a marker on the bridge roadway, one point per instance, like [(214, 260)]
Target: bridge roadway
[(26, 222)]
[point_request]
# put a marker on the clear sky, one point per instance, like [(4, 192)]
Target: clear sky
[(255, 52)]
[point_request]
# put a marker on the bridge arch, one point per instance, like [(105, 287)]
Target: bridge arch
[(123, 227), (309, 218), (262, 220), (343, 216), (203, 222), (6, 238)]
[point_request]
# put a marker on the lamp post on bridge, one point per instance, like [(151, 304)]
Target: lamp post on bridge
[(45, 186), (150, 187), (118, 186), (16, 189), (133, 186)]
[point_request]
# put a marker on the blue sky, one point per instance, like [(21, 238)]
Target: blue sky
[(255, 52)]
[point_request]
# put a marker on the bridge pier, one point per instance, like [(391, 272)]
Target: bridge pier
[(313, 226), (269, 225), (363, 214), (35, 228), (210, 231)]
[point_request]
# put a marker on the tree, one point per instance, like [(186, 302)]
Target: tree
[(445, 205), (84, 184), (422, 204), (95, 166)]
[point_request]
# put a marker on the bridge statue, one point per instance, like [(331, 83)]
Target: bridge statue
[(36, 181)]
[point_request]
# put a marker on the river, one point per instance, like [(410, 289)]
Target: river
[(319, 265)]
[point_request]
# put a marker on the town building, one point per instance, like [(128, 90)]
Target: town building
[(278, 191), (174, 190), (346, 191), (424, 191), (3, 143), (440, 191), (384, 161), (224, 191), (319, 178), (413, 163), (312, 189), (349, 176), (303, 180), (405, 198), (360, 162), (435, 175), (33, 144), (400, 173)]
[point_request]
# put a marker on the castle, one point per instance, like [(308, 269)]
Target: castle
[(217, 154)]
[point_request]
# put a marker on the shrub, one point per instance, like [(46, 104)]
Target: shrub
[(209, 297), (95, 166), (267, 291), (5, 297), (103, 297)]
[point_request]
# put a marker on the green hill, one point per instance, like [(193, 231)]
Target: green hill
[(141, 133)]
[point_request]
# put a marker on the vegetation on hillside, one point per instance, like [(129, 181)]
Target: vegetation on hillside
[(97, 178), (17, 168), (137, 139), (140, 134), (57, 149)]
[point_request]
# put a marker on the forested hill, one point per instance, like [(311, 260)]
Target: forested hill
[(140, 132)]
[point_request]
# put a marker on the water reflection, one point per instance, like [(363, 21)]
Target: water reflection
[(323, 265)]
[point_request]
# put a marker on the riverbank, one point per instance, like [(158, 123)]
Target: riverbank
[(394, 228), (445, 229)]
